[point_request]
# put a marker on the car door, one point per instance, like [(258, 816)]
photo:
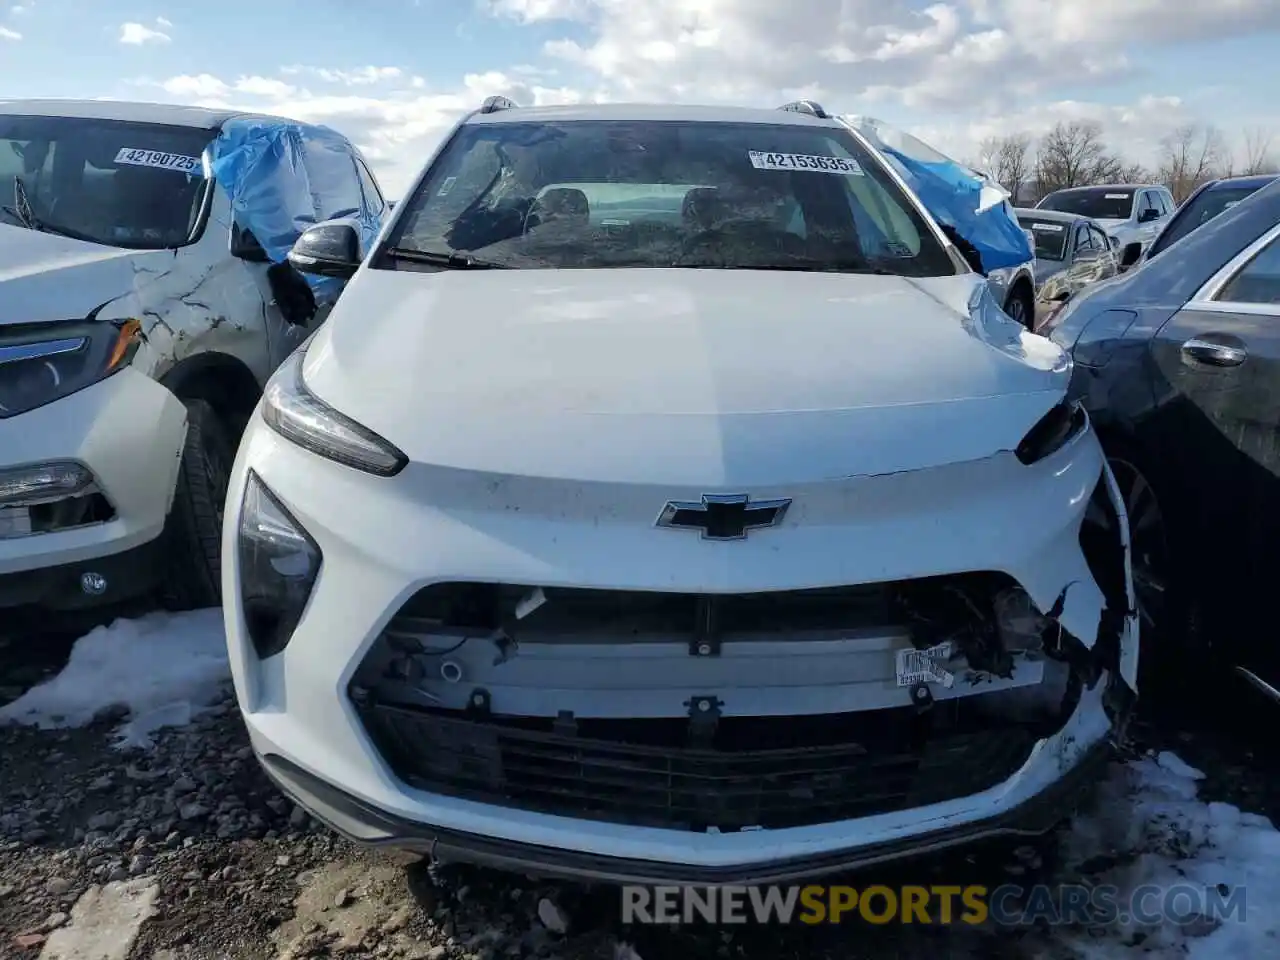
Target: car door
[(1147, 203), (1086, 255), (1108, 259), (1218, 358), (335, 184)]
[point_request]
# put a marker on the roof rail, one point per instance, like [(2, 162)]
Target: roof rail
[(811, 107), (494, 104)]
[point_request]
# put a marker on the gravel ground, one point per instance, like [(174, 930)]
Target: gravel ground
[(193, 835)]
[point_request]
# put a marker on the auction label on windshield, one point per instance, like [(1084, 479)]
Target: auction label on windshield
[(1051, 227), (158, 159), (801, 161)]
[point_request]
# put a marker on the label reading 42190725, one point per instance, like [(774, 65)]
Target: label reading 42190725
[(159, 159)]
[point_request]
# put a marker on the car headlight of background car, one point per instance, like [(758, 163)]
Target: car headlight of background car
[(44, 362), (301, 417)]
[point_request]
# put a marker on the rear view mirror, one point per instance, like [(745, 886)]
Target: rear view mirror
[(329, 249), (245, 246)]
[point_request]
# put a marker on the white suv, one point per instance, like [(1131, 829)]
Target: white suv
[(145, 297), (666, 499)]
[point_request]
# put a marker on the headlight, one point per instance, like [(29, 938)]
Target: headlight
[(41, 363), (1052, 432), (279, 564), (298, 415)]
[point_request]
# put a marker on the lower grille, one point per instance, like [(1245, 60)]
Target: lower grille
[(640, 773)]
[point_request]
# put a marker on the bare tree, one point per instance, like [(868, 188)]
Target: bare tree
[(1075, 155), (1136, 173), (1189, 156), (1011, 164), (1258, 156)]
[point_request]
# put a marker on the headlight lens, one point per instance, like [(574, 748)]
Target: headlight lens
[(298, 415), (41, 363), (279, 563), (1052, 432)]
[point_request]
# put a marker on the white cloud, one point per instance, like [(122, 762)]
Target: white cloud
[(136, 34), (969, 68), (7, 34), (162, 22)]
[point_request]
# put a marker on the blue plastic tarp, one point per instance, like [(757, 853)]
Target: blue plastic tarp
[(977, 208), (283, 177)]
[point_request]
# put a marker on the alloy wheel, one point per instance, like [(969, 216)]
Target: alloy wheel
[(1148, 543)]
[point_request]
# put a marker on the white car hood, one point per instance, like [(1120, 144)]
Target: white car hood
[(679, 376), (47, 277)]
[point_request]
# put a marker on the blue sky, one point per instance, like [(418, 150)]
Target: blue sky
[(394, 73)]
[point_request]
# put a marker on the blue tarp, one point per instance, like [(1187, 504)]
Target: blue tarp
[(283, 177), (978, 209)]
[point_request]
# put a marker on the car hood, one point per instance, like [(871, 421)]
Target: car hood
[(682, 376), (47, 277)]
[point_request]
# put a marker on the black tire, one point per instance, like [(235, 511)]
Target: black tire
[(1021, 306), (194, 529)]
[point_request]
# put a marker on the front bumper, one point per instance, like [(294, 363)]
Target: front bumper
[(361, 823), (992, 515), (128, 431)]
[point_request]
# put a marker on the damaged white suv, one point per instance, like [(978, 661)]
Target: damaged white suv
[(667, 501)]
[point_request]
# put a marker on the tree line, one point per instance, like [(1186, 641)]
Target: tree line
[(1076, 154)]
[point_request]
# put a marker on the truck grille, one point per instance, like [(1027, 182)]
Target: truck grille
[(645, 773)]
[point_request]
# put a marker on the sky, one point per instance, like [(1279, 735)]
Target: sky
[(393, 75)]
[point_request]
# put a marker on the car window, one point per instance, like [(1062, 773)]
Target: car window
[(1099, 239), (1258, 281), (605, 193), (372, 194), (1097, 203), (1083, 240), (332, 177), (1200, 209), (1166, 202), (123, 184), (1050, 236)]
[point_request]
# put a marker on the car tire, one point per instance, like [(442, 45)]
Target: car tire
[(1020, 305), (1172, 645), (194, 528)]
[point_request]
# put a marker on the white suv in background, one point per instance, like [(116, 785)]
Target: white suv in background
[(1131, 214)]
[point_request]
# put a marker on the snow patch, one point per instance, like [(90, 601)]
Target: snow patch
[(1148, 827), (163, 669)]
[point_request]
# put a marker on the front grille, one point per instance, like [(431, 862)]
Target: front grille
[(644, 773)]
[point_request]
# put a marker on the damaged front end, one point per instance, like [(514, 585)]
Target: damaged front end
[(726, 713)]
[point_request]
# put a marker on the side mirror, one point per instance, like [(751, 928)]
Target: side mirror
[(329, 249), (245, 246), (1149, 214), (1060, 296), (1131, 254)]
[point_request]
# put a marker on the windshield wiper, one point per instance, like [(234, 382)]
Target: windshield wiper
[(451, 261), (22, 212)]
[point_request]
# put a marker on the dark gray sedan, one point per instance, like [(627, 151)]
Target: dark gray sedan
[(1071, 252), (1178, 365)]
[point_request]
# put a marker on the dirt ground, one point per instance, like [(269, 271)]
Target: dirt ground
[(187, 852)]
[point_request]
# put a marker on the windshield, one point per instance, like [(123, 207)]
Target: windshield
[(1203, 207), (1101, 204), (1050, 236), (597, 194), (122, 184)]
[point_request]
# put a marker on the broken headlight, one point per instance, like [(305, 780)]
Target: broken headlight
[(300, 416), (279, 563), (41, 363), (1052, 432)]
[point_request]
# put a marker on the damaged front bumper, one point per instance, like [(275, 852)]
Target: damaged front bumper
[(649, 736)]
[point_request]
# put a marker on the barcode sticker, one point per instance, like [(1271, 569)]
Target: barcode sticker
[(925, 666)]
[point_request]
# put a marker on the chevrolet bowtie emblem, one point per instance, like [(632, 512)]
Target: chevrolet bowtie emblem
[(723, 516)]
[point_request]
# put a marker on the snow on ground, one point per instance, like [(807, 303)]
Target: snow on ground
[(163, 668), (1147, 827)]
